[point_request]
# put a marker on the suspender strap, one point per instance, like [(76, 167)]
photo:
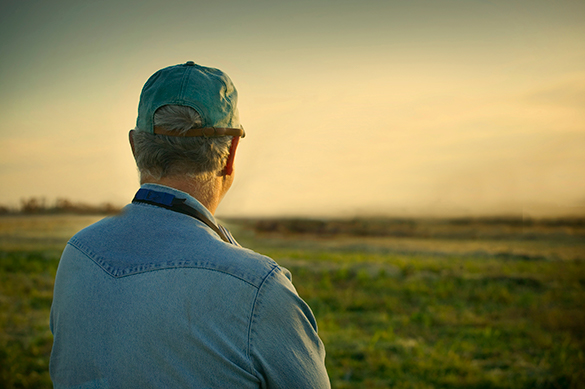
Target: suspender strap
[(169, 201)]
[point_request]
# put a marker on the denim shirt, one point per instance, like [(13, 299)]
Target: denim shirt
[(153, 298)]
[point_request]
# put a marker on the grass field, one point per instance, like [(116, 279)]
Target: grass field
[(405, 304)]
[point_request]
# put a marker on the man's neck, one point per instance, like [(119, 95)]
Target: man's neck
[(209, 193)]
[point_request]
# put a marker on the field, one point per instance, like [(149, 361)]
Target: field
[(487, 303)]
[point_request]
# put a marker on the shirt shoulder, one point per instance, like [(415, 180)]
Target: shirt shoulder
[(148, 238), (284, 345)]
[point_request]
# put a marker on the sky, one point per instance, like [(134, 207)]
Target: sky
[(393, 108)]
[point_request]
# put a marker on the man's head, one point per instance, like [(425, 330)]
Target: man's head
[(187, 123)]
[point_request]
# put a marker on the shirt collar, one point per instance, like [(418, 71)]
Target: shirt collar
[(189, 200)]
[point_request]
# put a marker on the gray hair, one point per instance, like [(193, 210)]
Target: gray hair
[(164, 156)]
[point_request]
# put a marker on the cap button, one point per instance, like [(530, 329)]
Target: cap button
[(190, 63)]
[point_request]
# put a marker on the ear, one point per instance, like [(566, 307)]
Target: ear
[(229, 166), (131, 138)]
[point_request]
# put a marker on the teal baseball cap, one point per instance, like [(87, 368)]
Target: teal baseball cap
[(209, 91)]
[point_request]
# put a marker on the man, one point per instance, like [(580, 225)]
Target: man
[(161, 296)]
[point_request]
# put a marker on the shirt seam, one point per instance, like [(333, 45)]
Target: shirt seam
[(252, 317), (80, 250), (149, 267)]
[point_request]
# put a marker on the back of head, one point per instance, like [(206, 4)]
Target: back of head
[(187, 116)]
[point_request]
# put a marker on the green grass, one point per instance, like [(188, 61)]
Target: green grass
[(442, 313), (392, 312), (446, 322), (26, 291)]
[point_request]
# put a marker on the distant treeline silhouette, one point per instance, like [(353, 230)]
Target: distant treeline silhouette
[(40, 205), (496, 227)]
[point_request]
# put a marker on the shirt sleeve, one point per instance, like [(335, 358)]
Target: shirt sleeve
[(284, 346)]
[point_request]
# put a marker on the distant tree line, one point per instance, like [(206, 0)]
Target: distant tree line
[(497, 227), (40, 205)]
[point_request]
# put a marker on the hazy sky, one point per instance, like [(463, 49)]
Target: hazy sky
[(436, 107)]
